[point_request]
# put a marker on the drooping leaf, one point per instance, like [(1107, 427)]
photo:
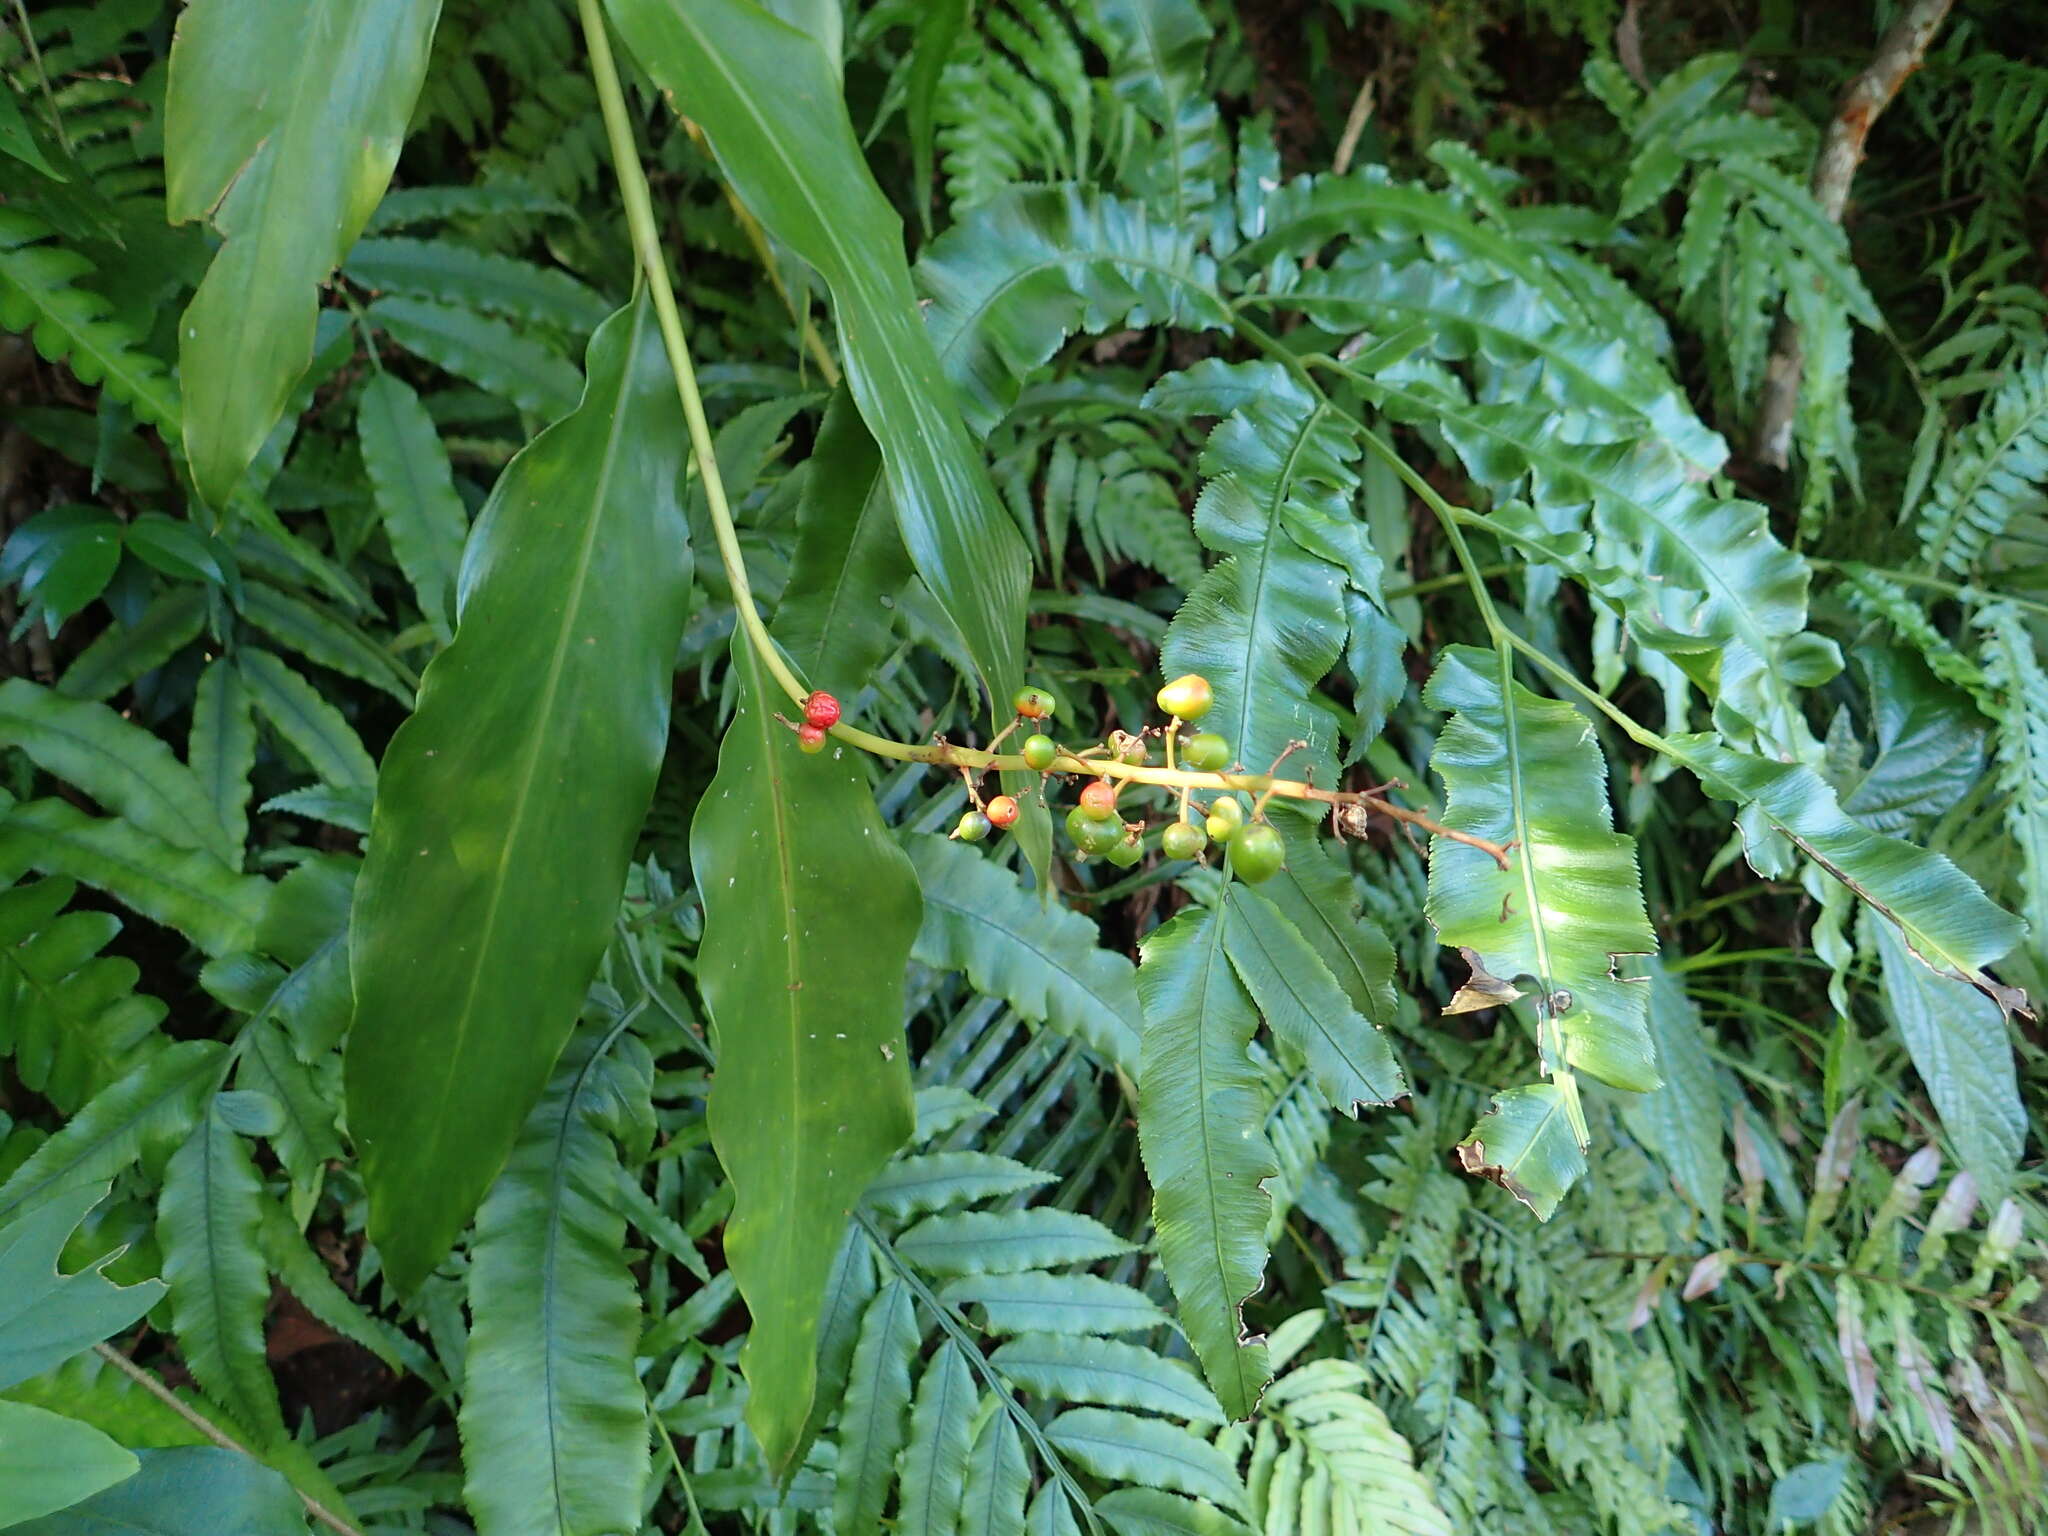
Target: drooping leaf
[(810, 909), (198, 1490), (1946, 920), (1045, 960), (208, 1220), (181, 888), (489, 353), (1201, 1127), (1305, 1008), (302, 716), (998, 1478), (769, 100), (423, 517), (508, 803), (935, 1459), (222, 748), (554, 1421), (1683, 1120), (47, 1316), (1527, 1144), (282, 126), (1526, 770), (127, 769), (871, 1423), (451, 273), (321, 637), (1962, 1050), (49, 1462)]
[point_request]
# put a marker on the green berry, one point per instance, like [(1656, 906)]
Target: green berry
[(973, 828), (1126, 748), (1129, 848), (1090, 835), (1186, 698), (1039, 751), (1256, 853), (1099, 799), (1183, 840), (1035, 703), (1226, 815), (1206, 753)]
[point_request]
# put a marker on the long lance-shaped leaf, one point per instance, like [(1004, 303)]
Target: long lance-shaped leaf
[(508, 805), (423, 517), (222, 748), (1047, 962), (769, 100), (871, 1424), (1521, 769), (1201, 1129), (208, 1223), (809, 913), (283, 123), (1268, 622), (1944, 917), (554, 1422)]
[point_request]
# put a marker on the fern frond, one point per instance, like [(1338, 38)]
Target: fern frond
[(1993, 474), (2014, 672)]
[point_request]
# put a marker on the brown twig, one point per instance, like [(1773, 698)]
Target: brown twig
[(1898, 55), (212, 1431)]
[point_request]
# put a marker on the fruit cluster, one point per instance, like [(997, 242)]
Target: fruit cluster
[(1096, 824)]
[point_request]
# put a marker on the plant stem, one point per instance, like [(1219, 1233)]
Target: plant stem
[(212, 1431)]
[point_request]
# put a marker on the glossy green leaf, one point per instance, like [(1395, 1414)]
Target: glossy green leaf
[(47, 1316), (208, 1219), (769, 100), (126, 768), (1044, 960), (1570, 902), (935, 1460), (837, 615), (198, 1490), (222, 748), (300, 713), (282, 125), (60, 560), (508, 803), (49, 1462), (1201, 1127), (489, 353), (1946, 920), (554, 1422), (181, 888), (1307, 1011), (423, 516), (871, 1422), (1108, 1372), (809, 913), (1527, 1144), (1963, 1050), (150, 1109)]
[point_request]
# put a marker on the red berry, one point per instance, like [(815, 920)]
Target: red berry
[(811, 738), (1001, 811), (821, 710), (1099, 799)]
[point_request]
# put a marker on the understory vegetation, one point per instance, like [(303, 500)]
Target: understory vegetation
[(1114, 766)]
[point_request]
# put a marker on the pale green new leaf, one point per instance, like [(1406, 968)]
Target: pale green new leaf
[(182, 888), (1044, 960), (554, 1421), (1962, 1049), (1530, 772), (810, 909), (993, 1242), (124, 767), (282, 125), (208, 1221), (47, 1316), (770, 102), (1201, 1117), (508, 804), (423, 517)]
